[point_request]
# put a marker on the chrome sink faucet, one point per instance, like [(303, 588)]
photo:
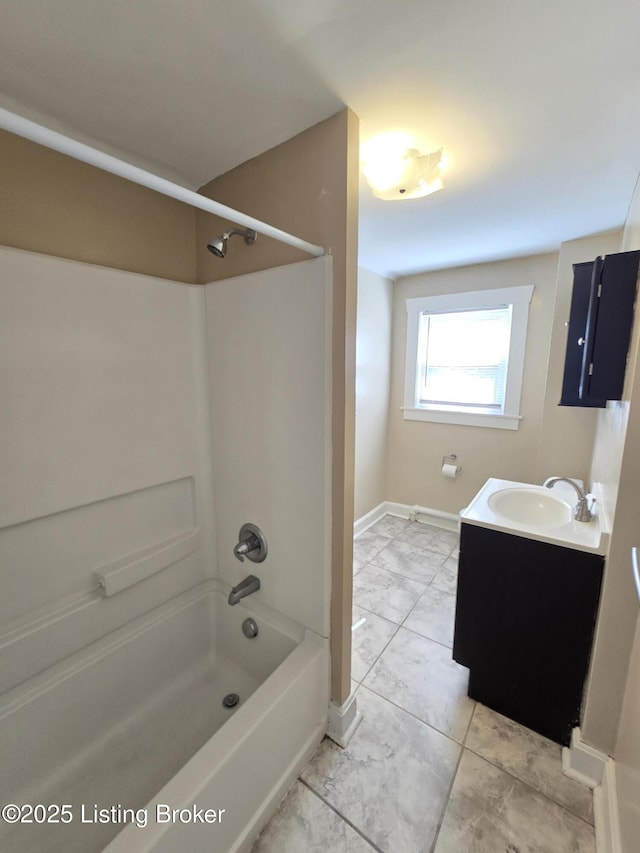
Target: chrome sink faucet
[(582, 510)]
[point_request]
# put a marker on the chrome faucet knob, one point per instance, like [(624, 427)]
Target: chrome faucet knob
[(240, 550), (251, 544)]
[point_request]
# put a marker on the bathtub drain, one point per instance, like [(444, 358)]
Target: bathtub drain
[(231, 700), (250, 628)]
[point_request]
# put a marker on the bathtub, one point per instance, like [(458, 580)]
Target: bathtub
[(126, 746)]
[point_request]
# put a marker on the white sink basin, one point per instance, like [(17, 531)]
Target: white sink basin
[(535, 512), (532, 506)]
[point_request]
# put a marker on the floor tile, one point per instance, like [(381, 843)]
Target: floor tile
[(390, 525), (368, 640), (420, 676), (529, 757), (357, 565), (367, 545), (384, 593), (408, 560), (429, 537), (490, 811), (447, 578), (434, 616), (392, 780), (304, 822)]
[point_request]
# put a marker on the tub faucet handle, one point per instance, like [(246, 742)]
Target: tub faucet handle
[(242, 549), (251, 544)]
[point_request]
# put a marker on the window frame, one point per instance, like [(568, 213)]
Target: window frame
[(519, 299)]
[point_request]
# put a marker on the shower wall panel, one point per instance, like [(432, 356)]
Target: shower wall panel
[(270, 378), (103, 451)]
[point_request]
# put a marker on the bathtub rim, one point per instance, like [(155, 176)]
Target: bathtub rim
[(182, 790)]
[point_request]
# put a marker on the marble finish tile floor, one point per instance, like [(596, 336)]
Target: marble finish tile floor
[(428, 770)]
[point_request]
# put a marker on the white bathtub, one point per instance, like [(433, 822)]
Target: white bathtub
[(130, 734)]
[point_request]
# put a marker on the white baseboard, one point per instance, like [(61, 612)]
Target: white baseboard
[(588, 765), (582, 762), (446, 520), (605, 812), (370, 519), (343, 720)]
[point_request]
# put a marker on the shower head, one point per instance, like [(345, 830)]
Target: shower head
[(218, 246)]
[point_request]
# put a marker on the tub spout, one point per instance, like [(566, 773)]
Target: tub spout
[(250, 584)]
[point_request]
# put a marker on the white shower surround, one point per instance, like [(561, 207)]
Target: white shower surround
[(132, 405)]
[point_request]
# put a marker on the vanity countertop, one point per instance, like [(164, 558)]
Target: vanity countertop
[(582, 536)]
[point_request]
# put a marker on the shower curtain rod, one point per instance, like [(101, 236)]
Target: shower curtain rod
[(78, 150)]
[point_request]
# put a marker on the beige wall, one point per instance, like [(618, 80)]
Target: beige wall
[(56, 205), (416, 448), (627, 750), (373, 363), (567, 433), (298, 186), (616, 464), (309, 187), (627, 754)]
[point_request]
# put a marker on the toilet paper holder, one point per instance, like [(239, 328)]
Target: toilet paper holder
[(450, 468)]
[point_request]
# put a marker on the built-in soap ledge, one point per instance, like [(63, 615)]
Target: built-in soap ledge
[(32, 644), (127, 571)]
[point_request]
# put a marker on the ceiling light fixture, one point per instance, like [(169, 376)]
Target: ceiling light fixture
[(396, 171)]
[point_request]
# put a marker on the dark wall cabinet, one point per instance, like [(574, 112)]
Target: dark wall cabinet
[(600, 321), (525, 618)]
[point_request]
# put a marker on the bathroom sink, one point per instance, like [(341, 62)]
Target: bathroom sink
[(534, 506), (537, 512)]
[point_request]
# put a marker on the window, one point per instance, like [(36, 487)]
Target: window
[(465, 357)]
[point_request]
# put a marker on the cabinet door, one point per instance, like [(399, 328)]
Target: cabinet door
[(599, 333), (600, 322), (576, 336), (613, 293), (525, 616)]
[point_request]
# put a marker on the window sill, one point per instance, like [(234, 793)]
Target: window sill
[(476, 419)]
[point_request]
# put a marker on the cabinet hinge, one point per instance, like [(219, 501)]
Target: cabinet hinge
[(591, 369), (599, 291)]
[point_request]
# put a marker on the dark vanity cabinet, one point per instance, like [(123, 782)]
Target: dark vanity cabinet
[(599, 332), (525, 617)]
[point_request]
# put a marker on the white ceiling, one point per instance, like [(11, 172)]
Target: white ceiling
[(537, 104)]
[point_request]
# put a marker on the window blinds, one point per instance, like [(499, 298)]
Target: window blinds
[(462, 358)]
